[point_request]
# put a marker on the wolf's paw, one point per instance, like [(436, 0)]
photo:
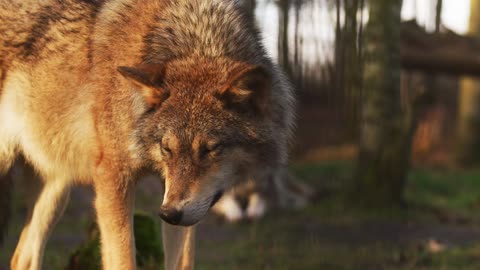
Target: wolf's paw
[(229, 208), (257, 206)]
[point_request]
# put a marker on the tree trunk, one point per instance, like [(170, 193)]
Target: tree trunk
[(384, 143), (438, 15), (297, 60), (352, 66), (468, 140), (339, 73), (283, 21)]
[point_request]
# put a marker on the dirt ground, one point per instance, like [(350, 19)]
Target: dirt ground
[(324, 235)]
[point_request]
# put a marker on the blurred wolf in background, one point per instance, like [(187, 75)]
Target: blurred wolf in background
[(102, 92), (253, 198)]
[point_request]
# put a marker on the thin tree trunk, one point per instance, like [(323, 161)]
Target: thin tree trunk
[(297, 61), (438, 15), (468, 140), (283, 50), (339, 51), (352, 65), (384, 143)]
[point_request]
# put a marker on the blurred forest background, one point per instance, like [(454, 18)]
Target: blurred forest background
[(380, 91), (388, 137)]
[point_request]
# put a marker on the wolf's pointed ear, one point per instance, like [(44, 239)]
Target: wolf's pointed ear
[(148, 79), (248, 90)]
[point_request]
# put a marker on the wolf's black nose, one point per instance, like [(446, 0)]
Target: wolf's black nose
[(170, 215)]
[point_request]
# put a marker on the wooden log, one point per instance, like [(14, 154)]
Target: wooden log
[(439, 52)]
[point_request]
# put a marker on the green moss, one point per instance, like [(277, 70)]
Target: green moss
[(87, 256), (147, 242)]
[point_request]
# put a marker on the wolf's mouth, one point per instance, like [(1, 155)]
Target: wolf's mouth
[(216, 197)]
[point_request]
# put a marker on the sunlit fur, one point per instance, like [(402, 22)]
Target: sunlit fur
[(91, 90)]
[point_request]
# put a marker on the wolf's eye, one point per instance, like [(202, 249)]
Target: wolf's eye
[(213, 149), (165, 150)]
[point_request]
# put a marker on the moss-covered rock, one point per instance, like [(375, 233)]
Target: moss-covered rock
[(147, 242)]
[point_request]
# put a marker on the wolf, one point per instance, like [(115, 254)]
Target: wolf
[(253, 198), (103, 92)]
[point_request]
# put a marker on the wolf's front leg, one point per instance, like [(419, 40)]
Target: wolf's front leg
[(179, 246), (47, 210), (114, 204)]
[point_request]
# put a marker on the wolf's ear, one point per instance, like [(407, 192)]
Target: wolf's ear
[(148, 79), (248, 90)]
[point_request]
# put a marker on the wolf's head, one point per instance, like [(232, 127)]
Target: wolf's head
[(205, 124)]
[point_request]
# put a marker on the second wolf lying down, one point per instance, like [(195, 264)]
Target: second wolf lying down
[(98, 92)]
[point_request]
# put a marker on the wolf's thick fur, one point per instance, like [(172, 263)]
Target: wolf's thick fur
[(98, 92)]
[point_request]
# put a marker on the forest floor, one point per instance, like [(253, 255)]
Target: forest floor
[(438, 229)]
